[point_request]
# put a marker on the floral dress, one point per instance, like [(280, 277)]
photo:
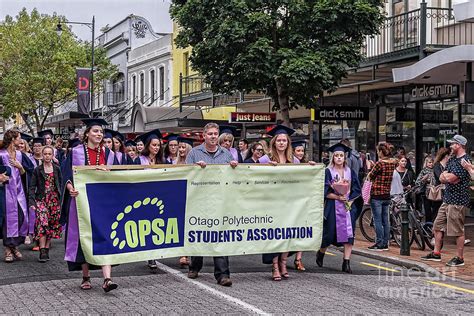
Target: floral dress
[(48, 211)]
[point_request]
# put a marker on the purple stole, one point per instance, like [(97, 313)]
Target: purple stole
[(72, 245), (144, 160), (266, 159), (343, 217), (234, 153), (119, 155), (14, 195)]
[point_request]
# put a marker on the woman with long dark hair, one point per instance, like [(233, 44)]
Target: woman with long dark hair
[(14, 206), (255, 152), (44, 196), (152, 154), (171, 148), (91, 153)]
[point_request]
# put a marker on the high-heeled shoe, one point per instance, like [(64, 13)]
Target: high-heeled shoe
[(319, 258), (276, 276), (283, 269), (299, 265), (346, 266)]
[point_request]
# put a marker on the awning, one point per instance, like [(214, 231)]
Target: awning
[(170, 119), (447, 66), (66, 119)]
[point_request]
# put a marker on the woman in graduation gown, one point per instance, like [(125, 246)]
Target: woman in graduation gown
[(171, 148), (341, 188), (14, 206), (280, 153), (119, 149), (90, 153), (226, 140), (152, 154)]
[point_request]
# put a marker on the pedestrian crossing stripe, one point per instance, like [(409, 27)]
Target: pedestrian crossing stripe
[(379, 267), (452, 287)]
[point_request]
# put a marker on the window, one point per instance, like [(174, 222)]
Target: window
[(162, 83), (142, 88), (152, 85), (134, 88)]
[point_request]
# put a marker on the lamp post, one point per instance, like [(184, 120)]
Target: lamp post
[(91, 26)]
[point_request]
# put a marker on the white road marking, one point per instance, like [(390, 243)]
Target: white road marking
[(211, 290)]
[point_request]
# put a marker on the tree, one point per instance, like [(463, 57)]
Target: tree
[(38, 68), (292, 49)]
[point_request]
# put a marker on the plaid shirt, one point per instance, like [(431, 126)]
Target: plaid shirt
[(381, 177)]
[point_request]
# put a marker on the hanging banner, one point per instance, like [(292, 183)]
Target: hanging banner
[(83, 77), (136, 215)]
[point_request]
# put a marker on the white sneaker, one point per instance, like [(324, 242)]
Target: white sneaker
[(27, 240), (467, 241)]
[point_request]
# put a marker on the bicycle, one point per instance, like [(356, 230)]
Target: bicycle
[(418, 231)]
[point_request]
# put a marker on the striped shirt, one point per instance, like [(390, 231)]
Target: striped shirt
[(199, 153)]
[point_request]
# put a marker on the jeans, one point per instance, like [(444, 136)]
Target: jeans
[(221, 266), (381, 221)]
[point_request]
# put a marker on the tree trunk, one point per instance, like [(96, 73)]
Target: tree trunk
[(284, 102)]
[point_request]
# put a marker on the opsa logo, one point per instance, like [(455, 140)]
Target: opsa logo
[(136, 232), (131, 217)]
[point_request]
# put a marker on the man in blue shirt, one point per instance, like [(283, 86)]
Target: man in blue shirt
[(456, 202), (211, 153)]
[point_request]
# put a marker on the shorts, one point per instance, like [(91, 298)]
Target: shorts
[(450, 219)]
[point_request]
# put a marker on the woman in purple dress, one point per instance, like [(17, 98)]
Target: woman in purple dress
[(14, 207)]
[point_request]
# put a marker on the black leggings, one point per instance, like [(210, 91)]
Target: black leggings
[(431, 208)]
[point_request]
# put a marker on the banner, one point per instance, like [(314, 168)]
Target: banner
[(83, 77), (136, 215)]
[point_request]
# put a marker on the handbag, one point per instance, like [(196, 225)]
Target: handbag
[(434, 192), (366, 188)]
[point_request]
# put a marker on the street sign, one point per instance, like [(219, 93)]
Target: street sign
[(250, 117)]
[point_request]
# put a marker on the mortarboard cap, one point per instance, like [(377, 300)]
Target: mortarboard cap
[(129, 143), (339, 147), (45, 132), (38, 140), (298, 143), (147, 137), (73, 142), (108, 133), (94, 122), (26, 137), (171, 137), (186, 140), (227, 129), (281, 129)]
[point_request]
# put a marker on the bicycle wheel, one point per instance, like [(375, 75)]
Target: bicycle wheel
[(366, 224), (396, 229), (417, 232), (428, 234)]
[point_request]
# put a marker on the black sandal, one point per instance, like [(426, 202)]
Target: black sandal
[(109, 285), (86, 283)]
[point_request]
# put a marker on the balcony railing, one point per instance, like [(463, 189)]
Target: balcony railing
[(192, 85), (417, 32), (113, 99)]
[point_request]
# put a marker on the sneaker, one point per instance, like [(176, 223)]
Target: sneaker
[(431, 257), (374, 247), (152, 264), (192, 274), (384, 248), (467, 241), (455, 262), (225, 281), (27, 240)]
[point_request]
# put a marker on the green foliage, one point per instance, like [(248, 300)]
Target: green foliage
[(292, 49), (37, 67)]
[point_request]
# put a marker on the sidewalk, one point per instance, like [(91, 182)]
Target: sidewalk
[(449, 250)]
